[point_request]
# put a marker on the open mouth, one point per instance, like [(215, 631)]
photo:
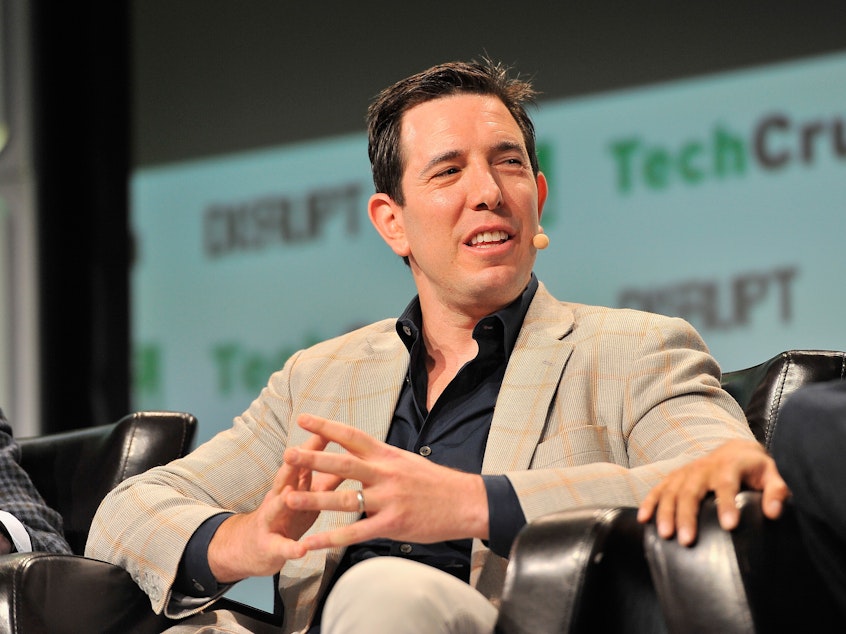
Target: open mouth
[(488, 239)]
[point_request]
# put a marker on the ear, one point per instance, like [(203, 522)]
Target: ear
[(387, 218), (543, 191)]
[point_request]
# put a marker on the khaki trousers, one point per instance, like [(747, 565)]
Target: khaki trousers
[(383, 595)]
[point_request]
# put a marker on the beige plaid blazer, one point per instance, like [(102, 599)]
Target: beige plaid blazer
[(596, 405)]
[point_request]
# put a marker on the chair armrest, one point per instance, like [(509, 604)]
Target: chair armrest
[(700, 587), (757, 578), (580, 571), (57, 594)]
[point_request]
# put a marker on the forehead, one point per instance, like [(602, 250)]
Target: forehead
[(456, 120)]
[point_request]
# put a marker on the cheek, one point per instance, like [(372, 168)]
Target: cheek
[(523, 192), (445, 201), (438, 213)]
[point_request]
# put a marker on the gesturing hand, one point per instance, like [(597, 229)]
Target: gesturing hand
[(675, 501), (407, 497), (259, 543)]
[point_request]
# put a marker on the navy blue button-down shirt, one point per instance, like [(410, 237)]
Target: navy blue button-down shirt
[(454, 434)]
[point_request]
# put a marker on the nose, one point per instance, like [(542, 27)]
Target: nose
[(485, 192)]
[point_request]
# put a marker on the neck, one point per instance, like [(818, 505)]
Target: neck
[(448, 338)]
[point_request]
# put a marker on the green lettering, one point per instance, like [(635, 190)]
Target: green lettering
[(623, 152), (254, 373), (689, 171), (546, 164), (224, 356), (148, 369), (729, 154), (656, 169)]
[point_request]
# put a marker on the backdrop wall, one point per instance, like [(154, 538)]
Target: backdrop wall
[(717, 198)]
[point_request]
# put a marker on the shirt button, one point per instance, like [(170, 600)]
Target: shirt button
[(406, 549), (406, 330), (425, 450)]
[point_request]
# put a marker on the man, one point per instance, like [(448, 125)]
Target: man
[(433, 438), (26, 522)]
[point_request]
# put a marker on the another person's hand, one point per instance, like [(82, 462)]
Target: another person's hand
[(406, 496), (258, 543), (675, 501)]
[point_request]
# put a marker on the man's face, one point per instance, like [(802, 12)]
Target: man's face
[(472, 204)]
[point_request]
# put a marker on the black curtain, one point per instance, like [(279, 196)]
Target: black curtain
[(81, 120)]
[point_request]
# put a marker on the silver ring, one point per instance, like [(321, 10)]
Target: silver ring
[(360, 497)]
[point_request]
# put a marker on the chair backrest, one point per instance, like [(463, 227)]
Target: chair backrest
[(761, 390), (75, 470)]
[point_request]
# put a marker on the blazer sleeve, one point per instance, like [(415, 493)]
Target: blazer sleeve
[(231, 472), (145, 523), (639, 396)]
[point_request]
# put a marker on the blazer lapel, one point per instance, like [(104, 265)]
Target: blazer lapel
[(374, 393), (531, 379)]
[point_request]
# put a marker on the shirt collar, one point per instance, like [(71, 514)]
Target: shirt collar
[(511, 317)]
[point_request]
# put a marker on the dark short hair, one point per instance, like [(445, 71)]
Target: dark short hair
[(384, 116)]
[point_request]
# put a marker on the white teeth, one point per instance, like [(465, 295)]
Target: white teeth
[(489, 236)]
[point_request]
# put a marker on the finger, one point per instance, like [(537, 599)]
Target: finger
[(665, 514), (314, 443), (355, 533), (277, 505), (647, 506), (727, 512), (304, 480), (288, 548), (324, 482), (687, 513), (353, 440), (289, 474), (342, 465), (325, 501), (776, 492)]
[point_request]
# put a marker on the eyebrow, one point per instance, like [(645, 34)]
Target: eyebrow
[(440, 158), (449, 155)]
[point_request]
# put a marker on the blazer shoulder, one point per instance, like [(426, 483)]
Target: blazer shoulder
[(581, 321), (623, 316), (375, 337)]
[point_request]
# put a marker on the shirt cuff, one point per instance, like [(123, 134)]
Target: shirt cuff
[(505, 515), (17, 532), (194, 577)]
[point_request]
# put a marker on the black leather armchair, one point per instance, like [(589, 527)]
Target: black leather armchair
[(580, 571), (73, 471), (597, 570)]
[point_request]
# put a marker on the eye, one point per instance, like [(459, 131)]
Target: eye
[(447, 172), (512, 162)]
